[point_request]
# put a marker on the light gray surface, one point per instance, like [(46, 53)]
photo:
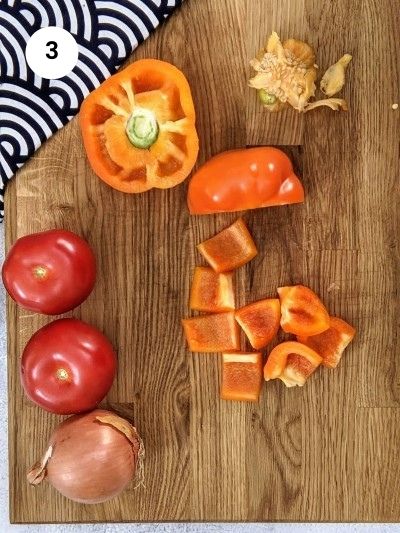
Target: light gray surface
[(5, 527)]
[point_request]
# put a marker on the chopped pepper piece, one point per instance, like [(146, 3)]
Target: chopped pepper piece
[(260, 321), (231, 248), (331, 343), (212, 291), (138, 127), (212, 333), (241, 376), (303, 313), (292, 363)]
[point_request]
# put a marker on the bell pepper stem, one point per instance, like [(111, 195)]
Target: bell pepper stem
[(142, 128), (266, 98)]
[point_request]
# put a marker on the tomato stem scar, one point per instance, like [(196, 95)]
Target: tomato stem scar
[(62, 374), (40, 271)]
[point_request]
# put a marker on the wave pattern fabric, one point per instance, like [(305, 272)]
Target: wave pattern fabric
[(33, 108)]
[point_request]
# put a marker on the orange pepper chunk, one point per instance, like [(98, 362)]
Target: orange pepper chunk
[(212, 291), (138, 127), (260, 321), (231, 248), (330, 344), (247, 178), (291, 362), (212, 333), (241, 376), (303, 313)]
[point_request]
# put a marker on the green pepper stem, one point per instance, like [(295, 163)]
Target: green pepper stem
[(142, 128), (266, 98)]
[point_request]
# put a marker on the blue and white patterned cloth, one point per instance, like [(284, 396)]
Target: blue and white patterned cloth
[(33, 108)]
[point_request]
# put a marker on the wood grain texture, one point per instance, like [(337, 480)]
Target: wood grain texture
[(327, 452)]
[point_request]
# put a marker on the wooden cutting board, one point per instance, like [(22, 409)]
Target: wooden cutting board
[(325, 452)]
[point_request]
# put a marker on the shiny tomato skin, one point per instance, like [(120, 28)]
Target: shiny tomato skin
[(50, 272), (242, 179), (67, 367)]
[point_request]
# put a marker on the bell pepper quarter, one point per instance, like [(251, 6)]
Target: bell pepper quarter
[(138, 127), (302, 311), (250, 178), (231, 248), (291, 362), (214, 333), (212, 291), (241, 376), (260, 321), (330, 344)]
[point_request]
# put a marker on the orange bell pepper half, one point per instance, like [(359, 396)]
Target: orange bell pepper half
[(212, 333), (260, 321), (291, 362), (212, 291), (231, 248), (138, 127), (331, 343), (244, 179), (241, 376), (303, 313)]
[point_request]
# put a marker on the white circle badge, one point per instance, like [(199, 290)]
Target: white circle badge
[(52, 52)]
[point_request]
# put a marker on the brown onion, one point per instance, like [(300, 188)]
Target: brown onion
[(91, 458)]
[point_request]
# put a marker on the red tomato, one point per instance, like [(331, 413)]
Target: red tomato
[(68, 367), (244, 179), (50, 272)]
